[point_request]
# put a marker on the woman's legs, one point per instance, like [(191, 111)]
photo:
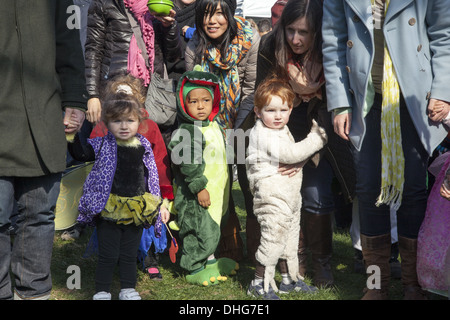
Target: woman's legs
[(375, 221)]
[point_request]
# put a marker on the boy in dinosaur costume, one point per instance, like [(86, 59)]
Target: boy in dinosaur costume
[(198, 155)]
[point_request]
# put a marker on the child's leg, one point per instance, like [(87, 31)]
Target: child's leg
[(256, 289), (129, 245), (288, 284), (200, 235), (108, 234), (289, 269)]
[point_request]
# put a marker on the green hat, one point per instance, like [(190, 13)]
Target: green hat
[(189, 86)]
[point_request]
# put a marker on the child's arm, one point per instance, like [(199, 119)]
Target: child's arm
[(188, 32), (80, 151), (302, 150), (191, 165)]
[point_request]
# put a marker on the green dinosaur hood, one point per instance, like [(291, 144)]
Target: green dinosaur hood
[(200, 79)]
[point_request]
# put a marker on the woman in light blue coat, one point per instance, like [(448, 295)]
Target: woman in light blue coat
[(387, 64)]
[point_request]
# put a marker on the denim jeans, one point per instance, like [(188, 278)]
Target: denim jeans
[(376, 220), (317, 193), (30, 254)]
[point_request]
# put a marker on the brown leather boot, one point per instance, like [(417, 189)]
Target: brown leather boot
[(408, 254), (302, 252), (253, 237), (319, 239), (377, 252), (231, 245)]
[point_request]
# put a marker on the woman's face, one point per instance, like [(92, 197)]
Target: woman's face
[(186, 2), (216, 24), (298, 36)]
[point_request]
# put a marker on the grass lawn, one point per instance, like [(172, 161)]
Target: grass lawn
[(348, 285)]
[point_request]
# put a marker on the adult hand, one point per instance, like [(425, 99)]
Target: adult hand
[(73, 120), (438, 109), (93, 115), (291, 169), (203, 198), (342, 124), (168, 20)]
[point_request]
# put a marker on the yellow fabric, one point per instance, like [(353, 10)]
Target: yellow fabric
[(392, 158), (127, 210), (216, 170)]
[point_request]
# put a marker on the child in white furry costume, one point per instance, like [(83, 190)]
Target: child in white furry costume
[(277, 199)]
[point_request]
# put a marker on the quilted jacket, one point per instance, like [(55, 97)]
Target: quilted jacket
[(107, 42)]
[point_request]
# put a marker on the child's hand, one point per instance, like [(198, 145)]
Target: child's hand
[(165, 214), (203, 198), (184, 29), (73, 120), (315, 128)]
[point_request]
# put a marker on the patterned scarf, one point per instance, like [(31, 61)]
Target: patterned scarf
[(392, 158), (136, 62), (226, 69), (306, 80)]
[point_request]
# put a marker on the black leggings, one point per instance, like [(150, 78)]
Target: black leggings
[(117, 244)]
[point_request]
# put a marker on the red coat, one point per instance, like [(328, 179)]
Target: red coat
[(149, 129)]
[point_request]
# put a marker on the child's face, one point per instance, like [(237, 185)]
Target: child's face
[(125, 126), (199, 104), (275, 114)]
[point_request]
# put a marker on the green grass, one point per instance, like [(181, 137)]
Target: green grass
[(348, 285)]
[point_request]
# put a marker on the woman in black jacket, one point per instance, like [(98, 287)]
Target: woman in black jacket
[(109, 34)]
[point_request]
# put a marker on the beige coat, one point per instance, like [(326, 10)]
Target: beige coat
[(277, 201)]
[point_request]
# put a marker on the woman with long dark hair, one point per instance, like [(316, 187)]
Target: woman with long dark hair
[(293, 51)]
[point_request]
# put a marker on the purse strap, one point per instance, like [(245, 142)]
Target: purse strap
[(138, 35), (140, 40)]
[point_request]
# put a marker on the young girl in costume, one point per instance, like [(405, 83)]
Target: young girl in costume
[(121, 195), (276, 197), (227, 45), (152, 244), (433, 242), (198, 155)]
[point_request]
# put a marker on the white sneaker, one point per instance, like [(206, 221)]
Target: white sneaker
[(102, 295), (129, 294)]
